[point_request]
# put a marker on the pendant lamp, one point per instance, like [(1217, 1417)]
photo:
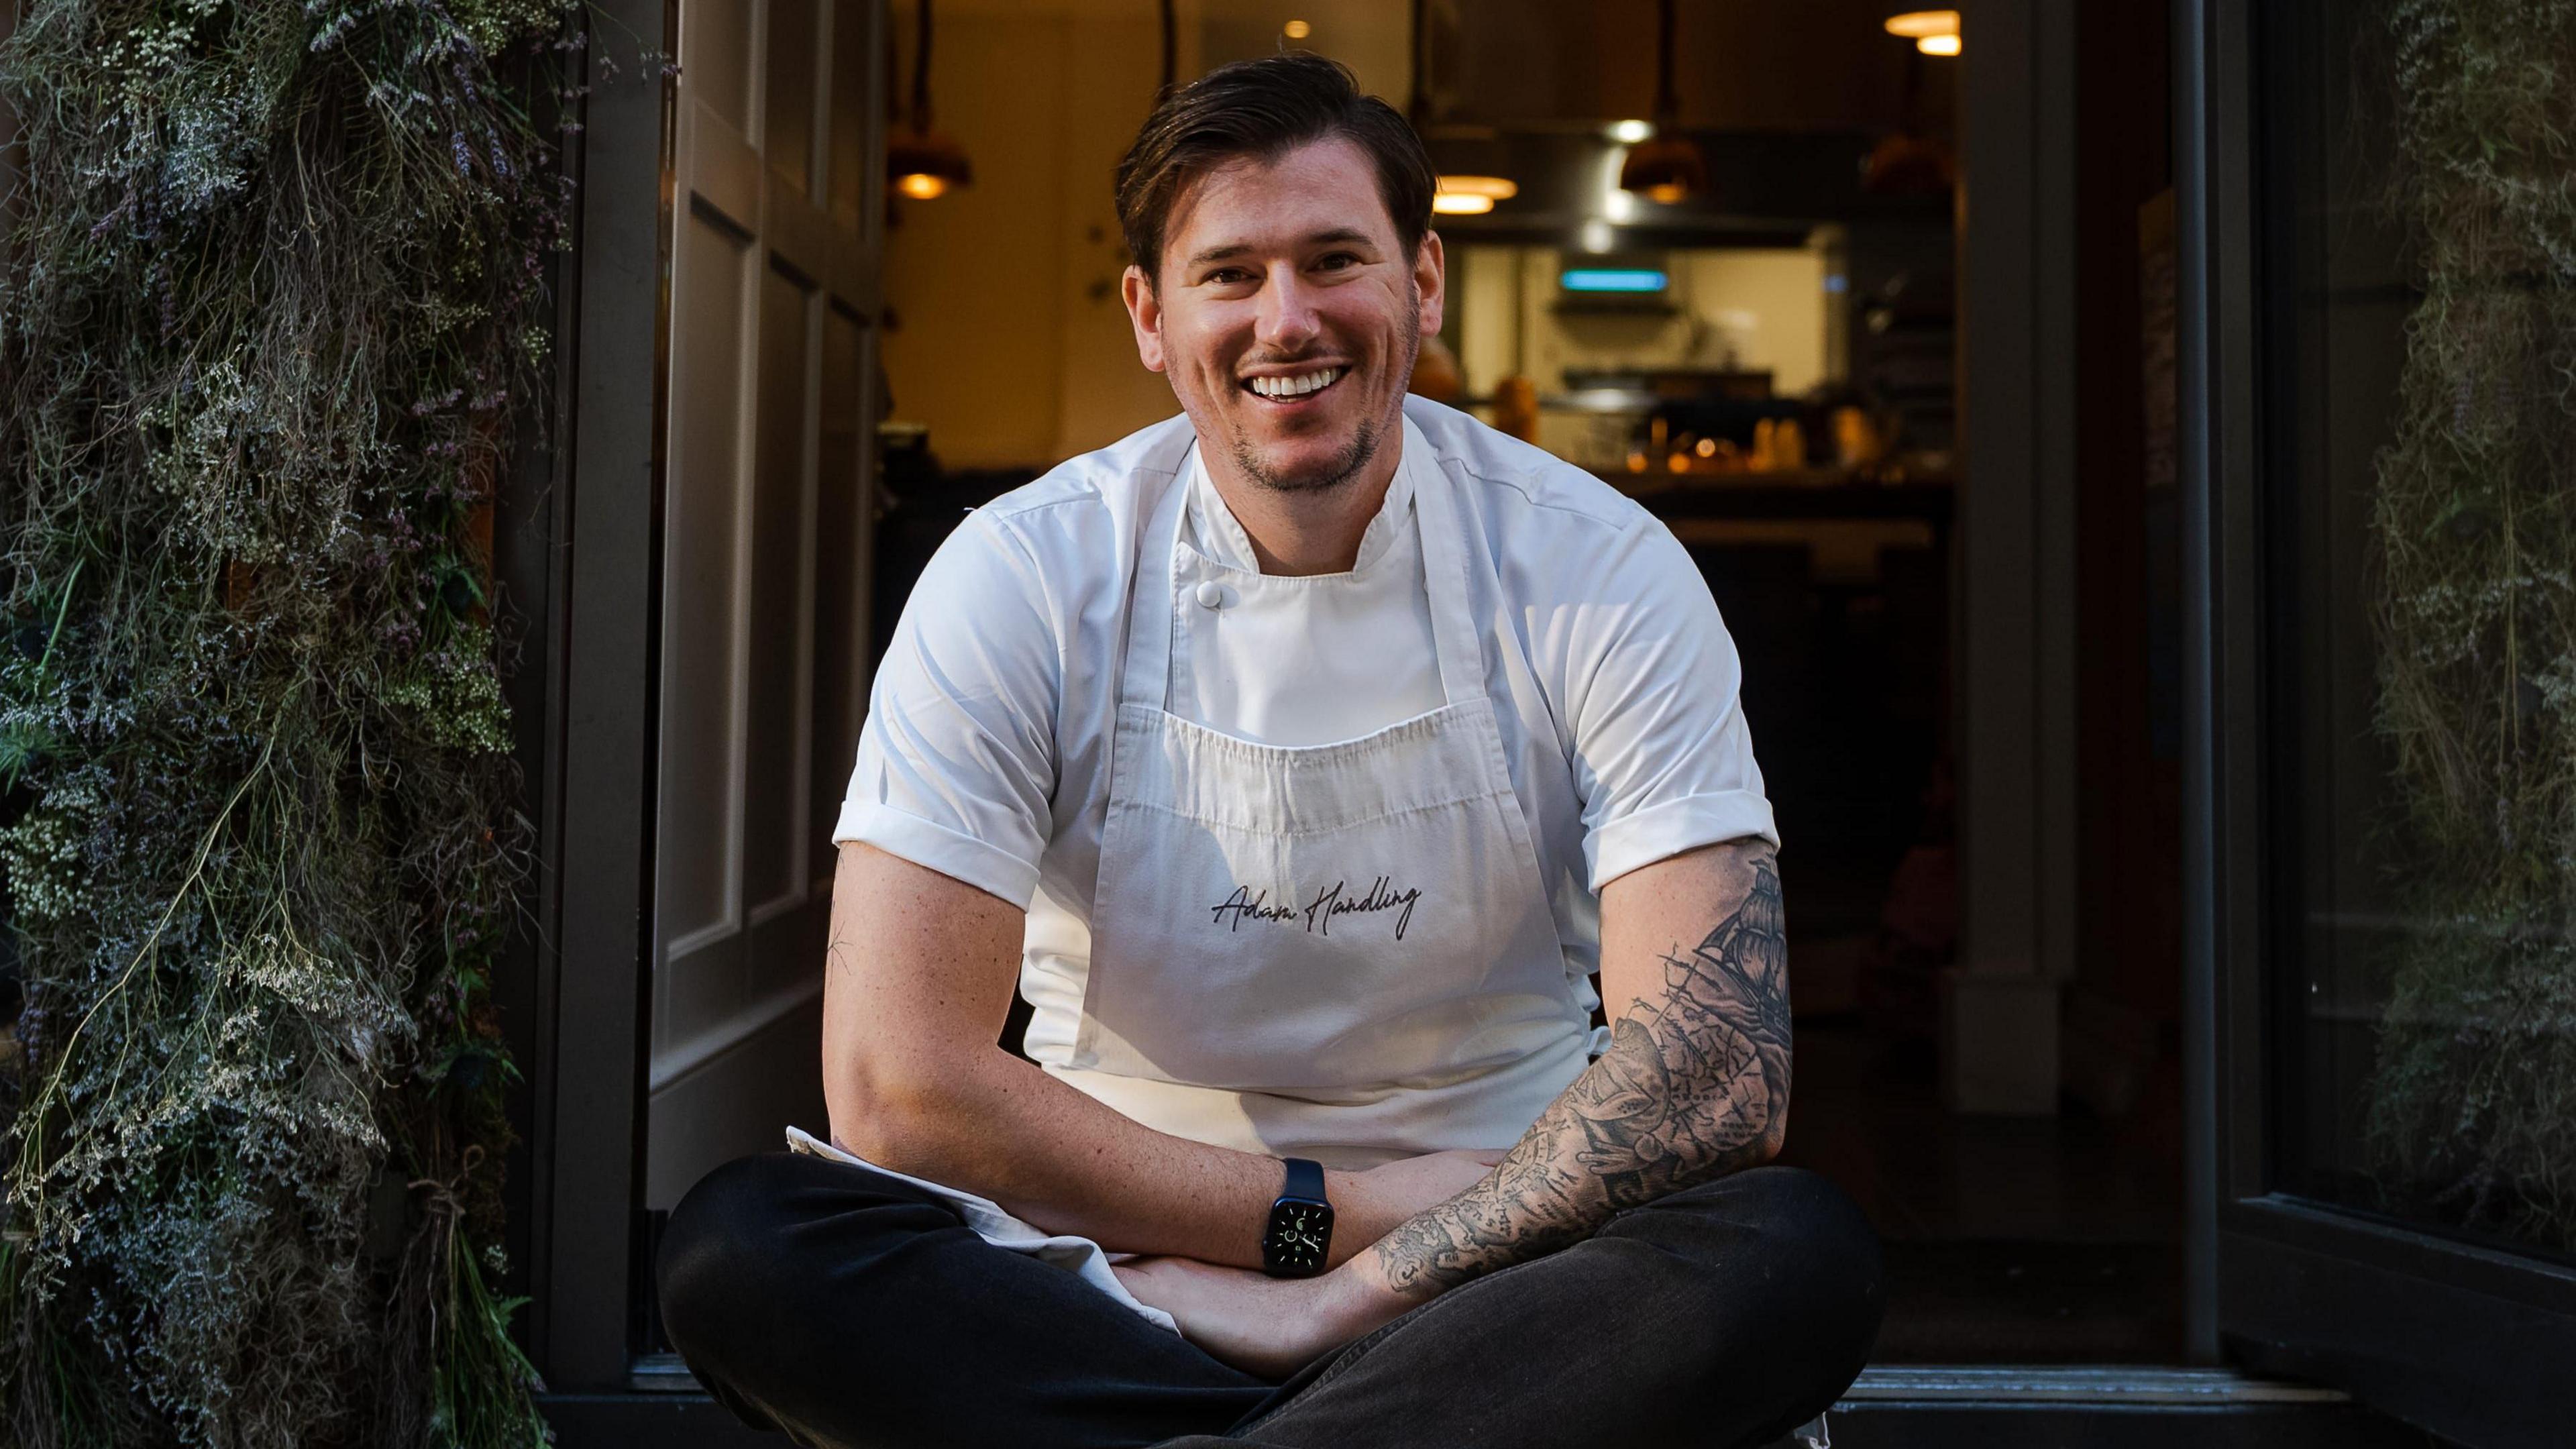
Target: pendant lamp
[(1906, 161), (1457, 193), (1667, 166), (920, 162)]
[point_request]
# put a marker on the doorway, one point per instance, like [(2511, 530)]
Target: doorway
[(1980, 857), (2127, 590)]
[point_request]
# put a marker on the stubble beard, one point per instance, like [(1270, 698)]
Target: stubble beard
[(1345, 464)]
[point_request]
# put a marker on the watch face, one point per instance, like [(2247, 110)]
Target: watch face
[(1298, 1236)]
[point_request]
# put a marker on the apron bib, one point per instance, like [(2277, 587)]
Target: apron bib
[(1339, 947)]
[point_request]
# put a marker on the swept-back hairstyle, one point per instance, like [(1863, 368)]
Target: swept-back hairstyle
[(1264, 109)]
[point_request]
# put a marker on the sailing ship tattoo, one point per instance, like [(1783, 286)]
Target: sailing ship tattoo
[(1695, 1085)]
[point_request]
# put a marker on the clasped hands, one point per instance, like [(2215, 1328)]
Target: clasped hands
[(1271, 1327)]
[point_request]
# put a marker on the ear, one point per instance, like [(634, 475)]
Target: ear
[(1145, 313), (1431, 281)]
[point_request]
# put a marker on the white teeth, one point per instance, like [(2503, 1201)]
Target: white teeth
[(1295, 386)]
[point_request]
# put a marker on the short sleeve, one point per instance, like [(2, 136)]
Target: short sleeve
[(1662, 756), (956, 762)]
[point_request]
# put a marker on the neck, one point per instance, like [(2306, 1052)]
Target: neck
[(1306, 531)]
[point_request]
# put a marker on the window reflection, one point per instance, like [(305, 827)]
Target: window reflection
[(2425, 620)]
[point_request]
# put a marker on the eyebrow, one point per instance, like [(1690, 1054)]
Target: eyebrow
[(1236, 249)]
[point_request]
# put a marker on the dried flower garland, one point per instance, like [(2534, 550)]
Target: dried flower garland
[(268, 317)]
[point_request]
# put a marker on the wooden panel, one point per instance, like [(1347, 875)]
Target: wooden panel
[(812, 244), (787, 108), (738, 1100), (847, 158), (715, 58), (723, 168), (778, 642), (700, 708), (841, 548)]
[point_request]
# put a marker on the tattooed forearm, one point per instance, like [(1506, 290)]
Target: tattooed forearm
[(1694, 1085)]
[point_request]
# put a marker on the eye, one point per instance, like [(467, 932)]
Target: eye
[(1336, 261), (1227, 277)]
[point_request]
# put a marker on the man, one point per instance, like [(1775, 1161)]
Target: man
[(1301, 758)]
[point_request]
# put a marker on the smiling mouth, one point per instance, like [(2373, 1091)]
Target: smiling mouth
[(1294, 389)]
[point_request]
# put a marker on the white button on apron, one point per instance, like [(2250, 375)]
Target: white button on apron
[(1211, 595)]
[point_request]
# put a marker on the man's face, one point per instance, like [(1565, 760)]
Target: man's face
[(1277, 277)]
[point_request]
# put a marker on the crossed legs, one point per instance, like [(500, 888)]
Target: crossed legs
[(850, 1311)]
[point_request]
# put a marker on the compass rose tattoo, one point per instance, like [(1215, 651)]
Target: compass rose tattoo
[(1695, 1085)]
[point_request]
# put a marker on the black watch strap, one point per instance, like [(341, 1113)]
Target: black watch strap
[(1305, 1180)]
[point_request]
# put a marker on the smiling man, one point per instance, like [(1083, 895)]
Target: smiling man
[(1302, 759)]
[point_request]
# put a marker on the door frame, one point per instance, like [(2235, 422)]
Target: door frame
[(2448, 1334), (593, 658), (582, 551)]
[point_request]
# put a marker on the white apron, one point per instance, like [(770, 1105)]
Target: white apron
[(1336, 951)]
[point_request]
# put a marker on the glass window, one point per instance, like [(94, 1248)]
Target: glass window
[(2420, 268)]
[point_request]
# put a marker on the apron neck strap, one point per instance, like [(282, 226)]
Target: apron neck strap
[(1444, 571), (1146, 677)]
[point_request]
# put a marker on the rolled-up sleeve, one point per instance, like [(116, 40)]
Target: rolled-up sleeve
[(956, 762), (1662, 756)]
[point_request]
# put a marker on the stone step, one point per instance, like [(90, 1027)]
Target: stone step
[(1917, 1407)]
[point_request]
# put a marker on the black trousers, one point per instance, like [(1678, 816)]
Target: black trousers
[(852, 1311)]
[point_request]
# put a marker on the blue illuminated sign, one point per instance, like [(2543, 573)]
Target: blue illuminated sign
[(1611, 279)]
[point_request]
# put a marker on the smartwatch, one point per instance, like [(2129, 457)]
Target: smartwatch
[(1300, 1232)]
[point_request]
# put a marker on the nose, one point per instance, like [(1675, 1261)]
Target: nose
[(1288, 322)]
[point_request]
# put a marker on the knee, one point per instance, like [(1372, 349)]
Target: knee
[(720, 1243), (761, 1235), (1818, 1245), (1798, 1243)]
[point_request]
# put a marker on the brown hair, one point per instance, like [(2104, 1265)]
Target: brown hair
[(1264, 109)]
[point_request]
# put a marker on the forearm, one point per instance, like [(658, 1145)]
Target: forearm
[(1695, 1085), (917, 985), (1069, 1164)]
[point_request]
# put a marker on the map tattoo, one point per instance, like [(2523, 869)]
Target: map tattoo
[(1695, 1085)]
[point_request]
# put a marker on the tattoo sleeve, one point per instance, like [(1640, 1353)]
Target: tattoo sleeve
[(1695, 1085)]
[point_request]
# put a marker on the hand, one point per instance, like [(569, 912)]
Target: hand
[(1269, 1327), (1371, 1204)]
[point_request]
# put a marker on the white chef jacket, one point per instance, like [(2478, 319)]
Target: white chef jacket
[(1361, 639), (1615, 684)]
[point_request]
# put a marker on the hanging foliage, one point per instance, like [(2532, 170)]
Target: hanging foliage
[(2473, 1103), (269, 303)]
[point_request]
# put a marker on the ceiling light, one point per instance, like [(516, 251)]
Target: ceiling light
[(1472, 195), (1597, 236), (1918, 24), (1938, 45), (1296, 30), (1629, 133)]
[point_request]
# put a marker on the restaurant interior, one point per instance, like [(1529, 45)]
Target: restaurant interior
[(1724, 256)]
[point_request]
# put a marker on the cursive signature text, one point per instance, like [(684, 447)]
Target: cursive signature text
[(1337, 899)]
